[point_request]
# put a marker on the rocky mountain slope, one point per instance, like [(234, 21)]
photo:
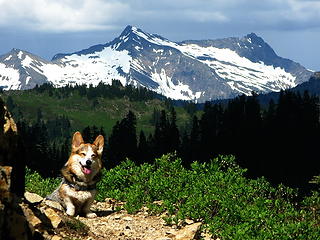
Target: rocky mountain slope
[(191, 70)]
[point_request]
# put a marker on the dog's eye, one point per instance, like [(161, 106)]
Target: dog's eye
[(82, 154), (93, 155)]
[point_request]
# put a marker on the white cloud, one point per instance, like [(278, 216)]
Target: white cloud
[(305, 10), (206, 16), (62, 15), (87, 15), (287, 15)]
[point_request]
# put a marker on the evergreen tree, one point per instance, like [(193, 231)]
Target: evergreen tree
[(190, 147), (115, 151), (173, 133), (210, 128), (143, 155), (128, 129), (123, 141), (10, 104), (155, 118), (94, 133), (87, 134), (161, 133)]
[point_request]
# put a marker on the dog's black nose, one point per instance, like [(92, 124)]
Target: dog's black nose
[(88, 162)]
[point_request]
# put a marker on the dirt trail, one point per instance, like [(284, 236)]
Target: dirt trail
[(119, 225)]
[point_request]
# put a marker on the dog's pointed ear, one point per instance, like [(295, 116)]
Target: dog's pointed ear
[(77, 140), (99, 142)]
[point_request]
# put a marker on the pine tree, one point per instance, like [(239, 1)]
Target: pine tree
[(190, 146), (173, 133), (123, 141), (155, 118), (10, 104), (161, 133), (210, 128), (87, 134), (128, 133), (143, 155), (114, 152)]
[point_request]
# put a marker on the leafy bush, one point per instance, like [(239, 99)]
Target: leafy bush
[(215, 193), (34, 182)]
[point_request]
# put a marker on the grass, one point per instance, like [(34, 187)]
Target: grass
[(215, 193)]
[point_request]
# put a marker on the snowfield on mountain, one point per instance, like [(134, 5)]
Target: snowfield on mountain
[(190, 70)]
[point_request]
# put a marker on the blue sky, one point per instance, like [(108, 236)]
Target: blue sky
[(47, 27)]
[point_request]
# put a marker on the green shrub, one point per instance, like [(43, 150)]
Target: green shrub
[(215, 193), (35, 183)]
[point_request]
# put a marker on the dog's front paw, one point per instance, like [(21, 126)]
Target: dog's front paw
[(91, 215)]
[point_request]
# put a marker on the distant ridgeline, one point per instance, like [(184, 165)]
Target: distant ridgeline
[(279, 142), (312, 86)]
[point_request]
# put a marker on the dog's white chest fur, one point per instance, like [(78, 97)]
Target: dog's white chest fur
[(79, 196)]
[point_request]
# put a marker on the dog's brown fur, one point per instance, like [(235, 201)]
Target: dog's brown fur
[(80, 175)]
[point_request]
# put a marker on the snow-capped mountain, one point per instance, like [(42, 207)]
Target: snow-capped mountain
[(21, 70), (189, 70)]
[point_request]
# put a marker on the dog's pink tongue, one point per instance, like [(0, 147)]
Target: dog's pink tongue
[(86, 170)]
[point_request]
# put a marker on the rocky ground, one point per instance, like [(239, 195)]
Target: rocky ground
[(109, 224)]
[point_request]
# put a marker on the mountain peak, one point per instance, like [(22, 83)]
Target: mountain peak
[(252, 35), (135, 32), (130, 30), (19, 53), (16, 51), (13, 55), (127, 30), (134, 38), (254, 39)]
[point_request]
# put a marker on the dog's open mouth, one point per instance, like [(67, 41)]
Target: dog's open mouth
[(86, 169)]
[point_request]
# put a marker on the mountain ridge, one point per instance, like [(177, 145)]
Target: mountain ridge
[(197, 70)]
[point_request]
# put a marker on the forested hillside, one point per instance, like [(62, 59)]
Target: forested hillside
[(279, 142), (48, 116)]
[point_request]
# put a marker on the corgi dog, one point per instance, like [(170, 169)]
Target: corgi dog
[(80, 175)]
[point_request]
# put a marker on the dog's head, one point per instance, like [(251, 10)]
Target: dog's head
[(86, 154)]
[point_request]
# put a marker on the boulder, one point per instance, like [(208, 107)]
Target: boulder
[(32, 219), (13, 222), (11, 151), (33, 198), (53, 204), (53, 216), (5, 183), (189, 232)]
